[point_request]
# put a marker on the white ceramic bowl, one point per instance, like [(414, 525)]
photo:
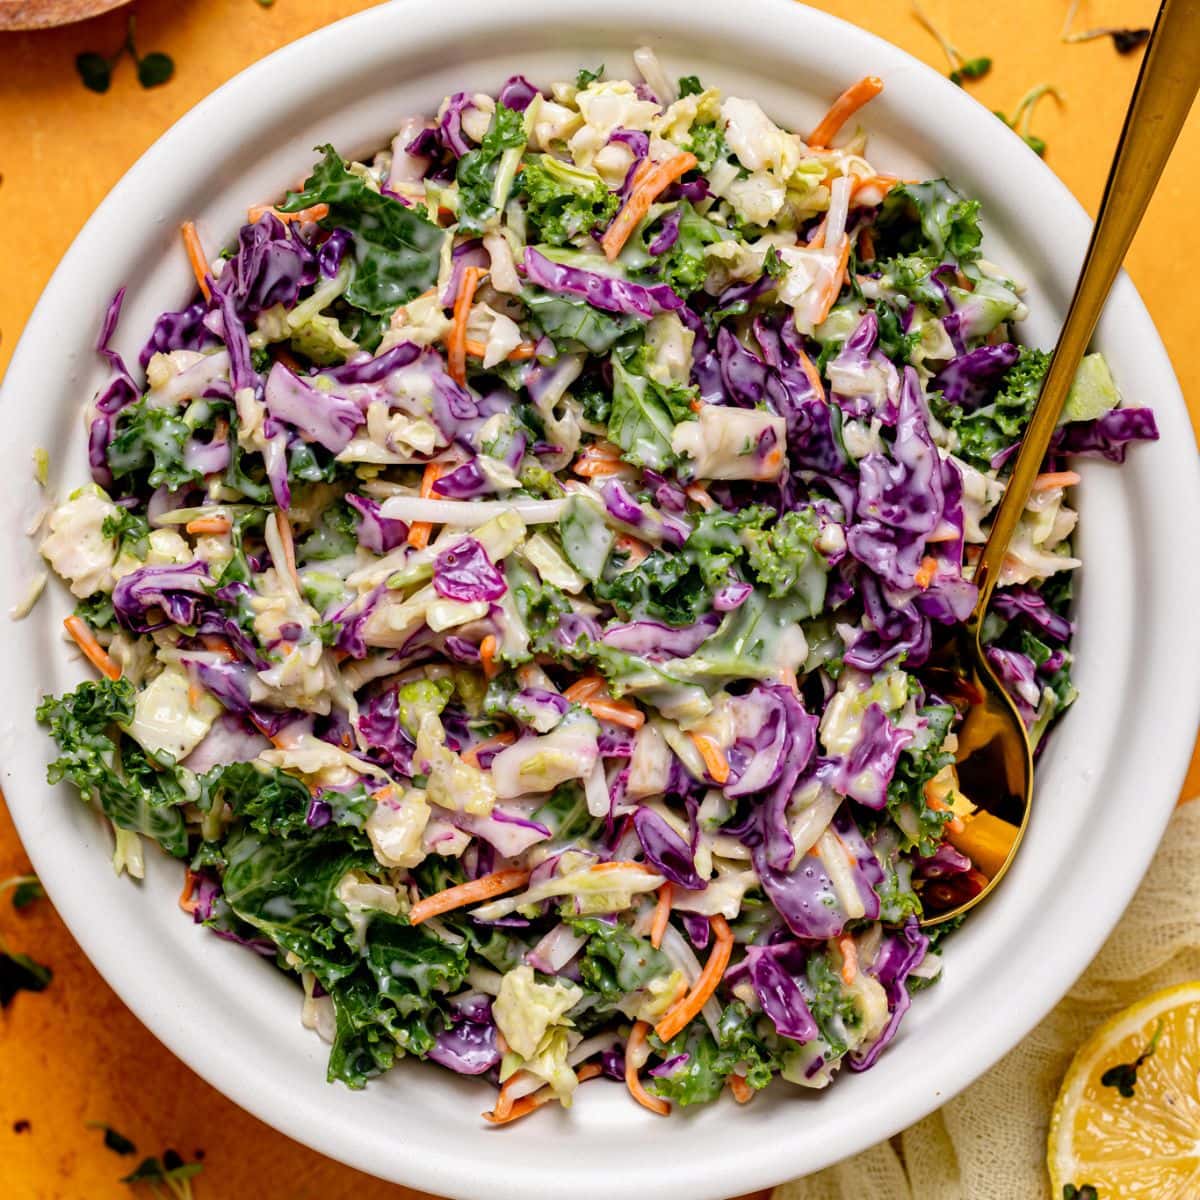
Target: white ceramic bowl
[(1106, 785)]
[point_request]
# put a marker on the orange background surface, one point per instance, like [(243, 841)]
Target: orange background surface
[(74, 1053)]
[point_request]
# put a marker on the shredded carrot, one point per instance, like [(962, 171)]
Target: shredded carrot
[(581, 689), (695, 405), (925, 572), (634, 548), (619, 712), (772, 463), (596, 468), (605, 450), (515, 1110), (1055, 479), (849, 949), (743, 1093), (697, 493), (934, 800), (419, 531), (830, 293), (504, 738), (530, 676), (522, 352), (217, 645), (866, 246), (95, 653), (487, 656), (715, 762), (811, 373), (195, 253), (216, 525), (647, 186), (788, 678), (289, 546), (621, 864), (283, 740), (186, 902), (598, 459), (843, 108), (195, 694), (884, 183), (505, 1099), (633, 1049), (483, 888), (457, 345), (316, 212), (684, 1011), (662, 914)]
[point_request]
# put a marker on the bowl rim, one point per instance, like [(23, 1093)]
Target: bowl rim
[(1165, 764)]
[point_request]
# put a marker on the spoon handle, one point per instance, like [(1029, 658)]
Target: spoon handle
[(1161, 99)]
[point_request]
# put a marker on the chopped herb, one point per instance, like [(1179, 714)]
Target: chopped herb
[(586, 78), (690, 85), (96, 71), (1123, 1076), (25, 890), (155, 69), (973, 68), (960, 68), (1022, 116), (171, 1170), (20, 973), (118, 1143), (1126, 41)]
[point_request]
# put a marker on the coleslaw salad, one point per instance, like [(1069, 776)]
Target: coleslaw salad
[(512, 580)]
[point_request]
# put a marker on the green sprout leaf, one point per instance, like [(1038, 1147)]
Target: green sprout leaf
[(118, 1143), (1123, 1076), (155, 69), (95, 70), (20, 973)]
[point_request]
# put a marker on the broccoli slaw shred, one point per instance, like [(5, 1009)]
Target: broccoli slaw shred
[(512, 583)]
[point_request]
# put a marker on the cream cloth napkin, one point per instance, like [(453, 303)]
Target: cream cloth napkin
[(990, 1141)]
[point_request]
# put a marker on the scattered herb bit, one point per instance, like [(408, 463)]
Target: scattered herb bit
[(118, 1143), (20, 973), (1022, 117), (1126, 41), (172, 1171), (1123, 1076), (21, 1126), (155, 69), (960, 68), (585, 77), (1083, 1192), (152, 71), (95, 70), (690, 85), (25, 890)]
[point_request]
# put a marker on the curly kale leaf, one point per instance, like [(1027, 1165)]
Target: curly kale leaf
[(993, 427), (564, 203), (134, 792), (396, 248)]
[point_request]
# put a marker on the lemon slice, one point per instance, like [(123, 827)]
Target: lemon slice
[(1143, 1146)]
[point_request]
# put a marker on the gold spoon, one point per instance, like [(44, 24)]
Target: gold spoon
[(995, 763)]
